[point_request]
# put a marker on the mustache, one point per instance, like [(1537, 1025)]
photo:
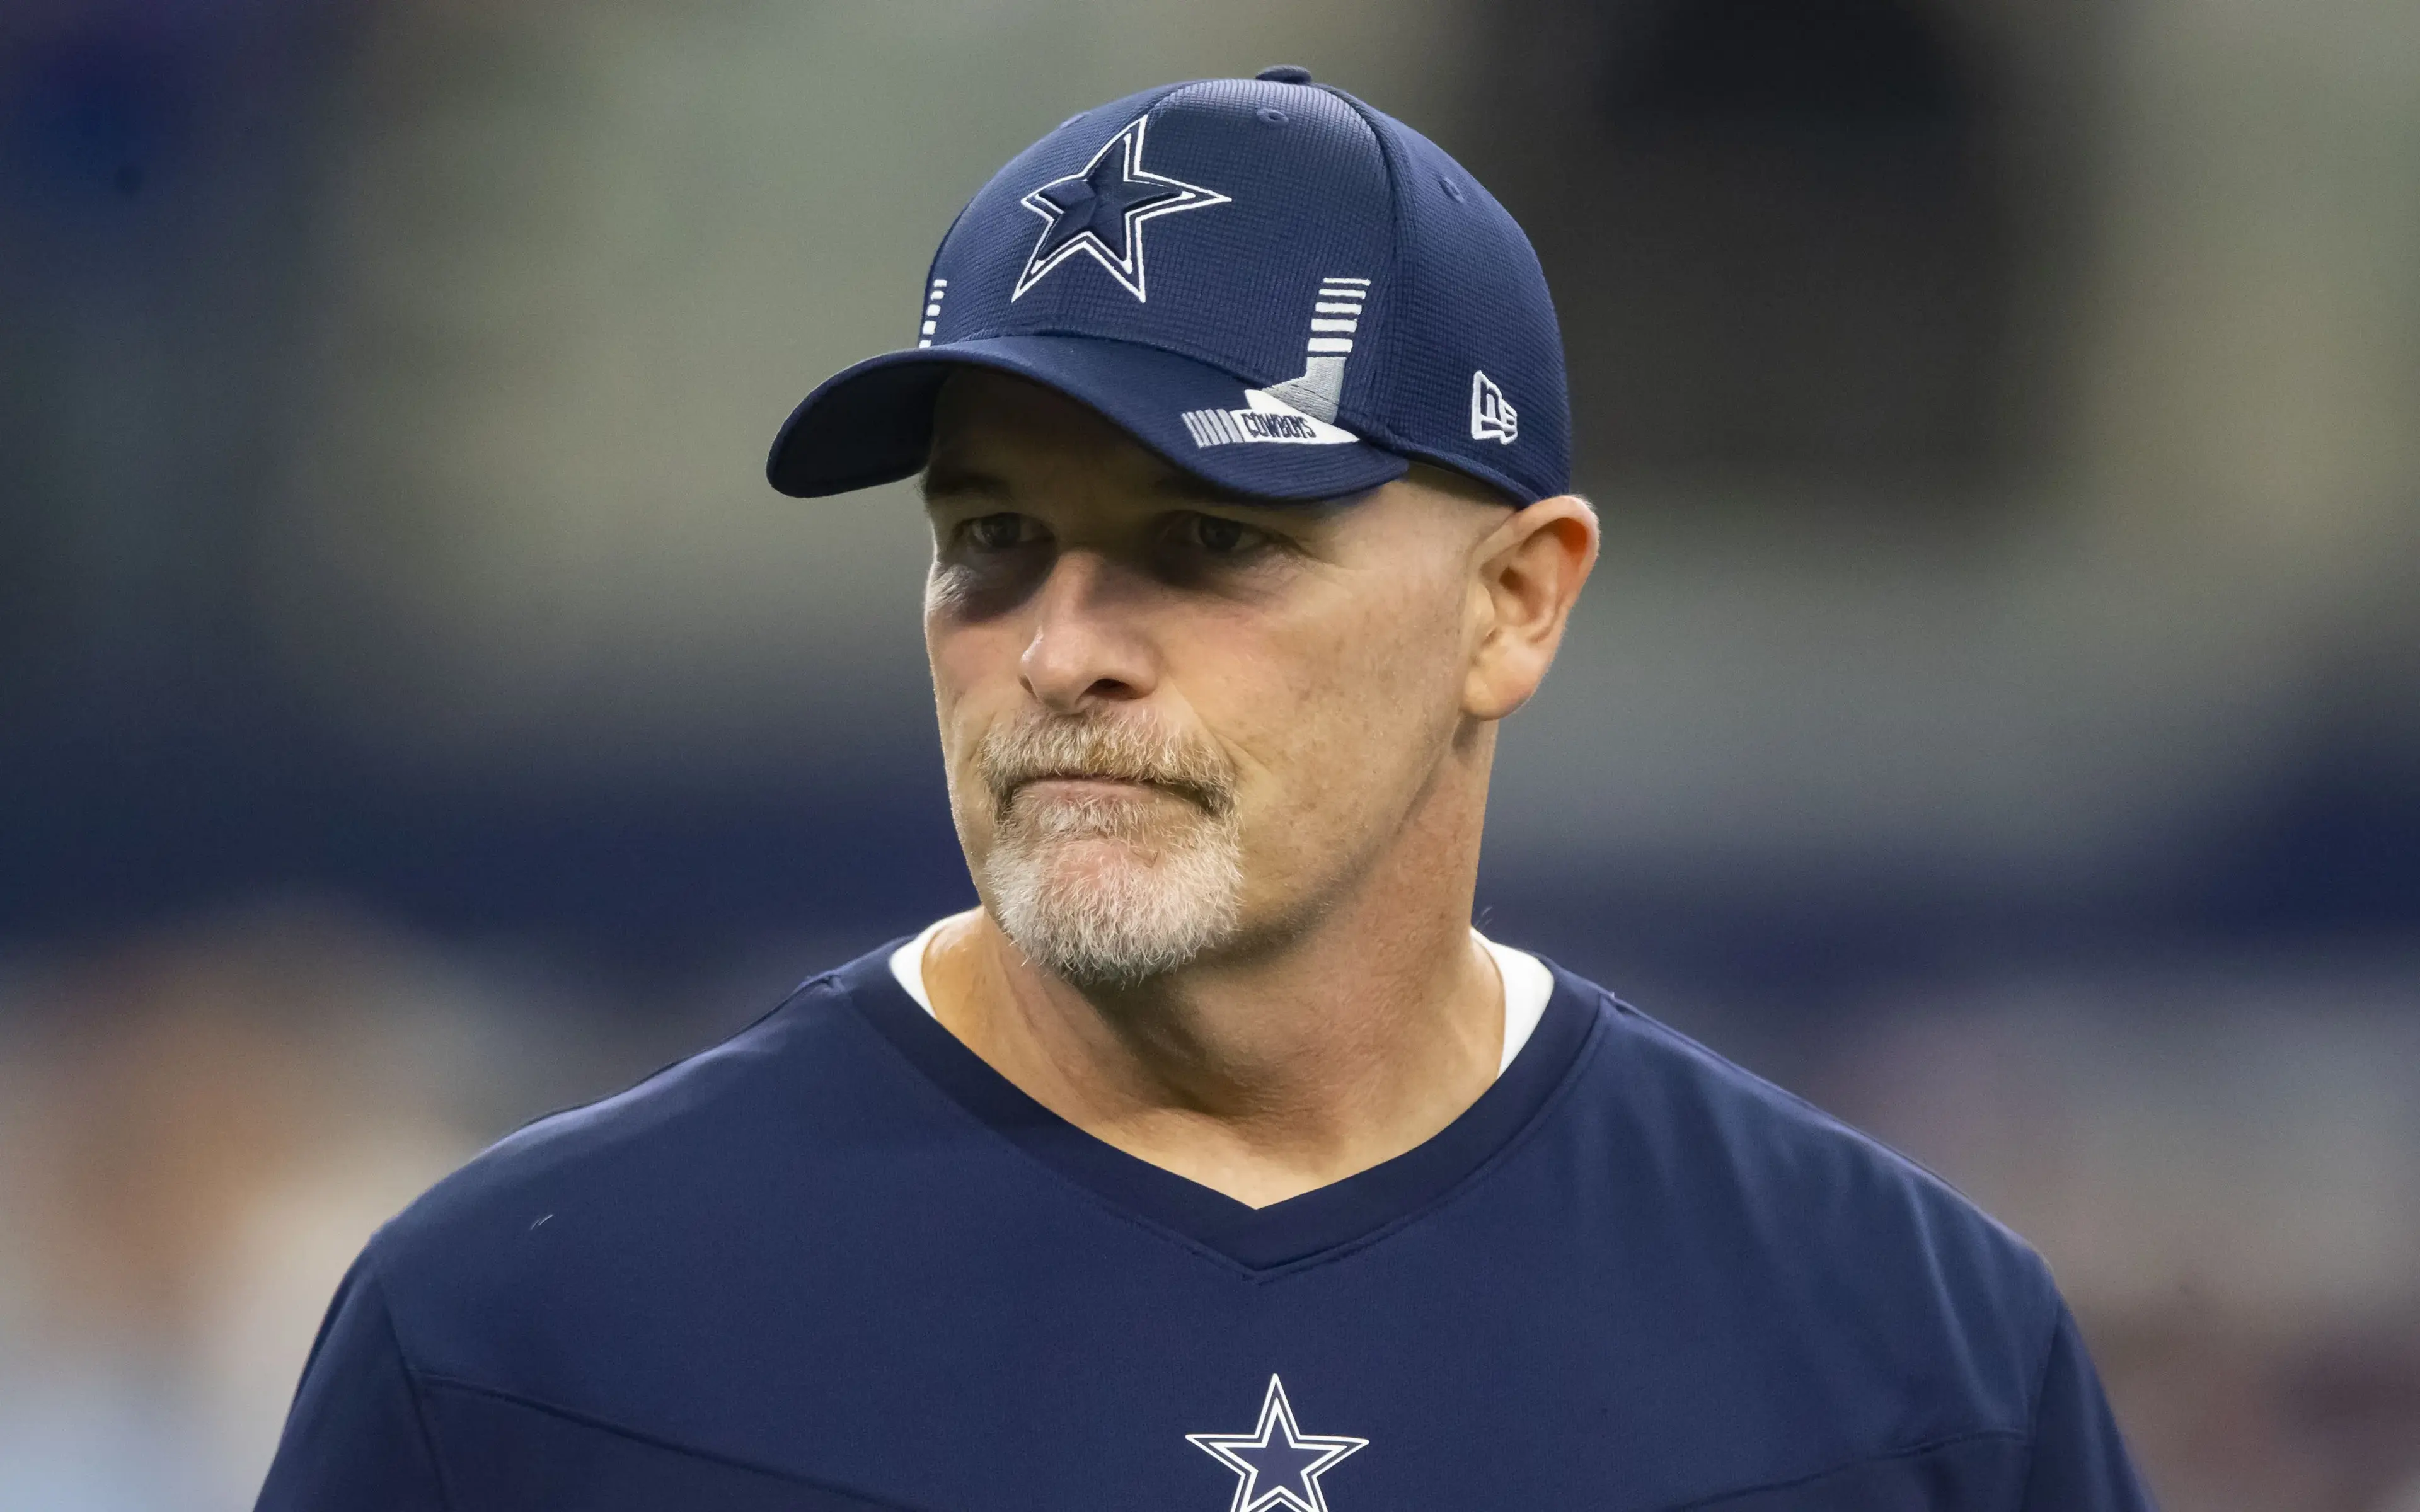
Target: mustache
[(1114, 749)]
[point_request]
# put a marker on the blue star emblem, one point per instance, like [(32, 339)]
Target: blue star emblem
[(1100, 211), (1277, 1465)]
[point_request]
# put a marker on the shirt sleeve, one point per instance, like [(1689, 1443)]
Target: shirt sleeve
[(2079, 1458), (354, 1440)]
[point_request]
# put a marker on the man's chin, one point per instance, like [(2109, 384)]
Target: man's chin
[(1102, 911), (1100, 859)]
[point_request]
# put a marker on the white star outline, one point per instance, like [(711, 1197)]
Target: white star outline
[(1277, 1416), (1128, 272)]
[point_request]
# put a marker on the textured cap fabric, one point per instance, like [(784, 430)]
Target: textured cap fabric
[(1264, 281)]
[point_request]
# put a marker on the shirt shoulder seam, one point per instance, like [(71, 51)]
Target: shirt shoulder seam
[(1707, 1504), (412, 1383), (2033, 1414), (440, 1380)]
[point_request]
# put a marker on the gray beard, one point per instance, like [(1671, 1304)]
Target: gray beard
[(1105, 897)]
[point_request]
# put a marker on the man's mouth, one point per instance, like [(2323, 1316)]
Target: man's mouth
[(1092, 785), (1111, 787)]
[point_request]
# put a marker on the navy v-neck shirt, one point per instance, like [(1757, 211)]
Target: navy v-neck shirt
[(839, 1262)]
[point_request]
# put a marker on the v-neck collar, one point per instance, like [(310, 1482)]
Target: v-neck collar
[(1258, 1238)]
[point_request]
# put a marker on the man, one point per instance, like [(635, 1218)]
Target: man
[(1213, 1160)]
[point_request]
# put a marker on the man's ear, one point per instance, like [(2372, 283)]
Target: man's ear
[(1530, 569)]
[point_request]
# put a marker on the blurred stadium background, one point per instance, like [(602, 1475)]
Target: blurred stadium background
[(1998, 716)]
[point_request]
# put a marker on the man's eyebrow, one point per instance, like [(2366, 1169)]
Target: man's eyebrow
[(946, 480)]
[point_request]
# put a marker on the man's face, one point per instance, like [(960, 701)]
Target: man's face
[(1176, 723)]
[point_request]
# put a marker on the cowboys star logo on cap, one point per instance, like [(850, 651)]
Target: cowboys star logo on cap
[(1101, 210)]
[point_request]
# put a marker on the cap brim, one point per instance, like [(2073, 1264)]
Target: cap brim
[(873, 423)]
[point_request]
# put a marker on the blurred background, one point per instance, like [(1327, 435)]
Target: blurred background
[(1998, 716)]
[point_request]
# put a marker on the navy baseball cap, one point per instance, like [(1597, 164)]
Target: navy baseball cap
[(1267, 282)]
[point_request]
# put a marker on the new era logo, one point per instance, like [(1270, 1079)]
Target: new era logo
[(1492, 416)]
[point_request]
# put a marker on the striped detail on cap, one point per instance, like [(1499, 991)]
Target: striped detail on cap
[(1212, 427), (1337, 315), (932, 310)]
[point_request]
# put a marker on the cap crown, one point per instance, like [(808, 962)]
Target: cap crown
[(1293, 237)]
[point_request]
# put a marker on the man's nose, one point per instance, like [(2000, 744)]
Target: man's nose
[(1086, 647)]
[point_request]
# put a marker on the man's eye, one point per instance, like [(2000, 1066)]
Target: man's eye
[(1217, 537), (996, 533)]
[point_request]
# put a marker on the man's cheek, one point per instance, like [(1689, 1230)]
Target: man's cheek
[(1304, 789)]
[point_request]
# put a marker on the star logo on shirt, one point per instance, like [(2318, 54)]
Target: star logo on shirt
[(1099, 213), (1277, 1465)]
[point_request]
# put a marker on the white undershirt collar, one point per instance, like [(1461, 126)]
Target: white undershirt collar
[(1527, 984)]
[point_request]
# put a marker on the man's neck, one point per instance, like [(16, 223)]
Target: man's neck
[(1262, 1077)]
